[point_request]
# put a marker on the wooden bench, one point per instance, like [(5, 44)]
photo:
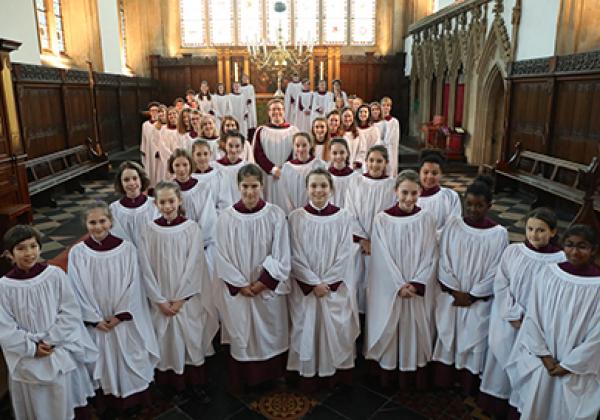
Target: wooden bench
[(56, 168), (552, 176)]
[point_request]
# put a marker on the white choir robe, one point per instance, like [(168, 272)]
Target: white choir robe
[(304, 111), (371, 137), (174, 267), (444, 205), (205, 105), (381, 127), (145, 142), (517, 271), (343, 95), (562, 321), (212, 180), (222, 107), (290, 100), (391, 140), (365, 198), (323, 330), (215, 150), (229, 192), (159, 155), (322, 103), (247, 244), (358, 148), (240, 111), (293, 177), (185, 141), (170, 138), (341, 185), (127, 221), (399, 330), (250, 95), (469, 259), (45, 308), (108, 283), (276, 146)]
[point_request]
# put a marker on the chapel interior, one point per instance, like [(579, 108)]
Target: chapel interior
[(509, 88)]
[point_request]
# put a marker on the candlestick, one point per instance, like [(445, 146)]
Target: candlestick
[(321, 70), (235, 72)]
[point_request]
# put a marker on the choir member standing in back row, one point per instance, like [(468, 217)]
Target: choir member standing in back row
[(470, 251), (204, 98), (221, 104), (253, 265), (321, 138), (104, 272), (293, 89), (272, 148), (519, 267), (553, 368), (231, 124), (177, 283), (169, 136), (340, 170), (304, 107), (205, 173), (369, 132), (391, 138), (239, 108), (184, 126), (324, 316), (399, 328), (210, 134), (44, 342), (322, 101), (228, 167), (339, 93), (147, 132), (248, 91), (355, 139), (377, 119), (190, 97)]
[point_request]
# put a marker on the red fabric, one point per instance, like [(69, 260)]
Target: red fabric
[(307, 288), (187, 185), (108, 243), (18, 274), (260, 156), (239, 206), (446, 376), (340, 172), (226, 162), (398, 212), (268, 280), (420, 379), (192, 375), (459, 105), (320, 383), (255, 373), (428, 192), (104, 401), (589, 270), (445, 100), (327, 211), (499, 408), (132, 203), (161, 221)]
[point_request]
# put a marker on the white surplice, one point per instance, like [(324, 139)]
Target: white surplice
[(357, 146), (211, 179), (185, 141), (323, 330), (341, 184), (444, 205), (290, 101), (222, 107), (145, 142), (247, 244), (174, 267), (108, 283), (518, 268), (304, 111), (322, 103), (469, 259), (158, 155), (240, 111), (562, 321), (205, 105), (371, 137), (365, 198), (293, 177), (391, 140), (215, 150), (44, 308), (127, 221), (229, 192), (250, 95), (399, 330), (169, 137)]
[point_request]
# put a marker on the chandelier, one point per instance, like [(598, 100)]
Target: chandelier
[(281, 56)]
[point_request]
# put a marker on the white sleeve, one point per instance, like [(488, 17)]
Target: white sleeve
[(278, 263), (149, 279)]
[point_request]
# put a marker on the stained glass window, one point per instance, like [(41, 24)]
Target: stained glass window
[(306, 23), (221, 22), (42, 21), (249, 21), (334, 21), (362, 22), (192, 23), (58, 23), (277, 19)]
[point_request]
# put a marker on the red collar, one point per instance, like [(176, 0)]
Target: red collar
[(198, 171), (225, 161), (398, 212), (187, 185), (172, 127), (340, 172), (193, 134), (388, 118), (283, 125), (368, 175), (161, 221), (484, 224), (428, 192), (364, 125), (18, 274), (547, 249), (108, 243), (132, 203), (299, 162), (239, 206), (590, 270), (327, 211)]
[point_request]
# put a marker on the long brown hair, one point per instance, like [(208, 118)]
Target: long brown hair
[(327, 137), (353, 127)]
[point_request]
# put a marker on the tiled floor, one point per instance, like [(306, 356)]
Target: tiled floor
[(61, 227)]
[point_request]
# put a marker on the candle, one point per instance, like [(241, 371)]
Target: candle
[(235, 71), (321, 70)]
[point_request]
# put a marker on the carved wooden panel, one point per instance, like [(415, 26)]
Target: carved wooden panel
[(4, 136), (174, 81), (200, 73), (109, 120), (130, 117), (529, 101), (78, 113)]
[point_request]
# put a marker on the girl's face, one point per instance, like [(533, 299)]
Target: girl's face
[(339, 155), (376, 112), (376, 164), (476, 207), (154, 113), (194, 104), (322, 86), (319, 189), (236, 87), (186, 118), (334, 123), (538, 233), (579, 251), (181, 169), (162, 116), (363, 114), (347, 118), (204, 88), (221, 89), (25, 254), (208, 128), (320, 129), (386, 108), (131, 183), (302, 148), (408, 193), (195, 120), (233, 148), (168, 203), (172, 117), (229, 125), (98, 224), (202, 157), (250, 190), (430, 175)]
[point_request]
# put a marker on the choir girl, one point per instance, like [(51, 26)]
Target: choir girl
[(190, 96), (304, 107), (391, 138), (339, 104), (322, 101), (334, 124), (239, 108), (248, 91), (210, 134), (355, 139), (221, 104), (294, 172), (168, 132), (147, 131), (399, 283), (228, 167), (321, 137), (553, 368), (377, 120), (179, 104), (369, 131), (272, 148), (231, 124), (253, 264), (520, 265), (340, 170), (470, 251), (443, 202), (177, 283), (198, 202), (104, 272), (206, 171), (294, 87), (323, 312), (356, 103), (367, 195), (135, 208), (184, 127), (44, 341), (339, 93), (159, 149), (204, 98)]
